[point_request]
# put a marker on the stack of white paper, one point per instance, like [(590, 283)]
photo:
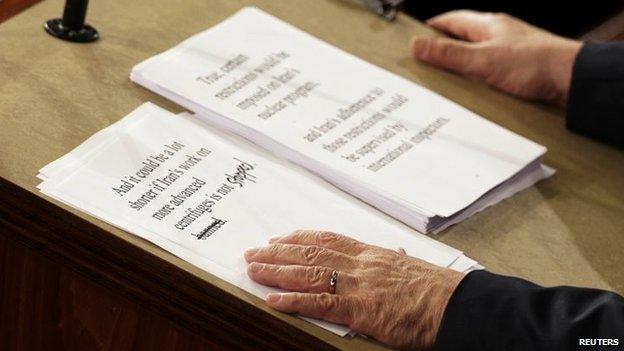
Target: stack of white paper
[(396, 145), (206, 196)]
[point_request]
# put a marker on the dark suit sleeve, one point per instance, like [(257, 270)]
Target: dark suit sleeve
[(596, 97), (493, 312)]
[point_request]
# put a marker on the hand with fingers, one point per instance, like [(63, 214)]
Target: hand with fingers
[(504, 51), (385, 294)]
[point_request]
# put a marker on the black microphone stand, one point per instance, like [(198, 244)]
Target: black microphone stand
[(72, 26)]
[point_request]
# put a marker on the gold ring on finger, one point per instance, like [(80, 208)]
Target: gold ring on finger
[(333, 280)]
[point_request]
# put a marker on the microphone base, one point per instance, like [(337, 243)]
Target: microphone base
[(85, 34)]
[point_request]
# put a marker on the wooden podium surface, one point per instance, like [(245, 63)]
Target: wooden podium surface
[(53, 95)]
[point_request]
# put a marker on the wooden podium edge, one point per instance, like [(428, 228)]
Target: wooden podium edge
[(158, 285)]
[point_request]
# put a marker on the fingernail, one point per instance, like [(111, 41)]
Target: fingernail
[(274, 297), (255, 267), (274, 239), (249, 253)]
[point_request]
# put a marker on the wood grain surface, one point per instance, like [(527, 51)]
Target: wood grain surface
[(10, 8), (46, 306), (119, 275), (54, 95)]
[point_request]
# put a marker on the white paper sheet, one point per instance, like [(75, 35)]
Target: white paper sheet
[(346, 119), (260, 196)]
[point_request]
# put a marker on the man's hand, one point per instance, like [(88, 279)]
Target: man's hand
[(396, 299), (504, 51)]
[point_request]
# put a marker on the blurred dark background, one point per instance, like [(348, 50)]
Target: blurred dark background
[(569, 18)]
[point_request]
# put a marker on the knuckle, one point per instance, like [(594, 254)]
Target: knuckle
[(311, 254), (427, 46), (316, 275), (445, 51), (260, 269), (328, 237), (354, 281), (326, 302), (420, 47)]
